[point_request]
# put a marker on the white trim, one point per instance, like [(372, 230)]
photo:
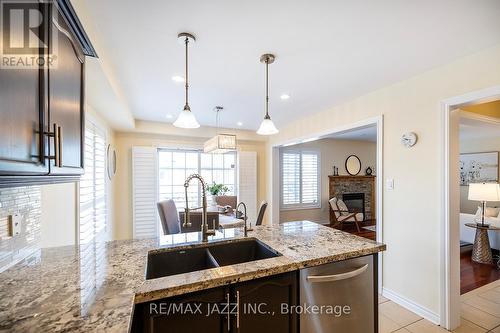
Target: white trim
[(379, 122), (339, 129), (450, 271), (412, 306)]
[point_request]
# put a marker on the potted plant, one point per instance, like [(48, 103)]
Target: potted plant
[(215, 190)]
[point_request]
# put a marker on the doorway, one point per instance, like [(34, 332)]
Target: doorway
[(281, 211), (450, 258), (479, 137)]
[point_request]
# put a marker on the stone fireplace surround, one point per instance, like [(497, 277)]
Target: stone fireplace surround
[(339, 185)]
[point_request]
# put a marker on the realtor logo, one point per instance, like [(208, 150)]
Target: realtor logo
[(26, 29)]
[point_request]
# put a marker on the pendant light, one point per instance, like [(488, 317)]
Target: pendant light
[(220, 143), (267, 126), (186, 118)]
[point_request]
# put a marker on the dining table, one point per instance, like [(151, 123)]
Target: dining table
[(226, 220)]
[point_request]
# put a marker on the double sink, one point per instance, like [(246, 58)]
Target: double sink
[(166, 262)]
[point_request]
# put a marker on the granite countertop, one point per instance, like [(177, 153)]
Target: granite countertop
[(93, 288)]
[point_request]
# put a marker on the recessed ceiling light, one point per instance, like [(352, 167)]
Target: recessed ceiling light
[(177, 78), (239, 123), (285, 96), (169, 116)]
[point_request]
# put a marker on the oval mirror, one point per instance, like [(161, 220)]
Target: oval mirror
[(353, 165)]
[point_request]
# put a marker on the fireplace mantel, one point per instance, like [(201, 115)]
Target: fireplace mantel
[(343, 184), (354, 177)]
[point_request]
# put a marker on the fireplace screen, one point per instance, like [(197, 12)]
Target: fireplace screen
[(355, 202)]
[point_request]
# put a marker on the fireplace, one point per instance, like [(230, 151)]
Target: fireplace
[(352, 189), (355, 202)]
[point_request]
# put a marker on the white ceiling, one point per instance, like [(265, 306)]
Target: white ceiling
[(328, 52), (476, 129)]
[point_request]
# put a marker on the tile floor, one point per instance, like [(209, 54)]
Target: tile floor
[(480, 313)]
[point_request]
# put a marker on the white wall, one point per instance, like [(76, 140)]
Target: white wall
[(412, 211), (59, 218), (476, 146), (333, 152)]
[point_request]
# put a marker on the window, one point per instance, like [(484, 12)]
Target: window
[(175, 166), (93, 186), (299, 179)]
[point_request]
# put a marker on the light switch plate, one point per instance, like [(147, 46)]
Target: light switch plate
[(15, 224), (390, 184)]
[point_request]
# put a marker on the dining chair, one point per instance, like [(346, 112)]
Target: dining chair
[(169, 217), (262, 211), (227, 200), (341, 213)]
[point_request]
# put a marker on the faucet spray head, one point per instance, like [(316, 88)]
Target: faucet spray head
[(187, 220)]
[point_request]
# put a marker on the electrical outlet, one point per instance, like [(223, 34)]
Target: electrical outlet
[(390, 184), (15, 224)]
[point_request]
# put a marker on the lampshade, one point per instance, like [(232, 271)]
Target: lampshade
[(186, 119), (220, 144), (267, 127), (484, 192)]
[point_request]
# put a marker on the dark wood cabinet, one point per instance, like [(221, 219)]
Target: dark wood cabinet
[(202, 311), (66, 100), (260, 305), (252, 306), (42, 109), (23, 117)]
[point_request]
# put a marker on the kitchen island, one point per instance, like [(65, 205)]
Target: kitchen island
[(95, 287)]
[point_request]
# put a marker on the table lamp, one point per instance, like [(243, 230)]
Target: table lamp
[(484, 192)]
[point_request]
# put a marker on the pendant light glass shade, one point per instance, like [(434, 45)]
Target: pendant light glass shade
[(220, 143), (186, 119), (267, 127)]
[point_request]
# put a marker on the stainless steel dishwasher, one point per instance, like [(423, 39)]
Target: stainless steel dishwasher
[(344, 295)]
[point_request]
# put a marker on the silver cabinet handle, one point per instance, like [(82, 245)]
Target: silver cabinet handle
[(228, 312), (237, 309), (56, 145), (59, 145), (337, 277)]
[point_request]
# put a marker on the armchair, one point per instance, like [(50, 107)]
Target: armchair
[(341, 214)]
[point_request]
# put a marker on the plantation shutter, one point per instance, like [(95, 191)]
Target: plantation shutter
[(299, 179), (93, 186), (310, 178), (247, 182), (145, 192), (290, 164)]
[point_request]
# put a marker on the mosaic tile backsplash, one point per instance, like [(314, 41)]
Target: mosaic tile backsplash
[(26, 202)]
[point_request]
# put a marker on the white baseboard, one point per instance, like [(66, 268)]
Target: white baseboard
[(412, 306)]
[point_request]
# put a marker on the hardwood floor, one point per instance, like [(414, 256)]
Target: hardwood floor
[(474, 275), (351, 228)]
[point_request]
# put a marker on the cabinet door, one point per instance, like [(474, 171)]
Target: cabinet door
[(66, 99), (22, 117), (259, 305), (203, 311)]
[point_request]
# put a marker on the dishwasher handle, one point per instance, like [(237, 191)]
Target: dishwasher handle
[(337, 277)]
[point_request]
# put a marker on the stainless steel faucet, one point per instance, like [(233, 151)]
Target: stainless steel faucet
[(205, 232), (245, 218)]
